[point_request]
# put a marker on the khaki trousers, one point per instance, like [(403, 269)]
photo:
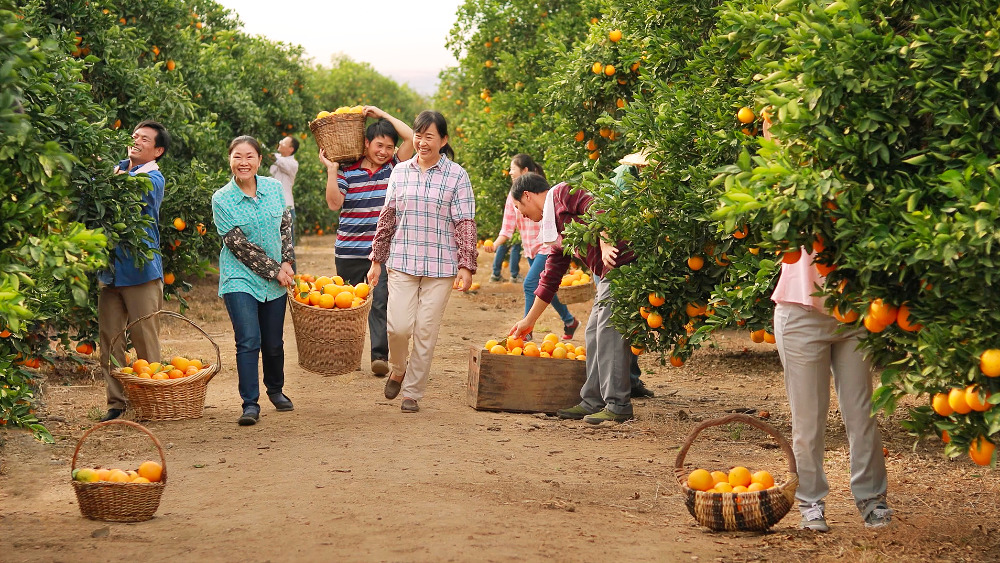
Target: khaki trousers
[(812, 350), (416, 307), (116, 307)]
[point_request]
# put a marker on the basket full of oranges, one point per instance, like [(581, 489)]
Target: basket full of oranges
[(340, 133), (330, 319), (171, 389), (575, 287)]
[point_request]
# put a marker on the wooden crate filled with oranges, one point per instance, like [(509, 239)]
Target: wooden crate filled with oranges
[(329, 292), (513, 375)]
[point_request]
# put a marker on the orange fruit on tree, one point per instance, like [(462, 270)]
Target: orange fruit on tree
[(976, 400), (873, 325), (168, 278), (956, 399), (591, 145), (940, 404), (615, 36), (498, 349), (326, 301), (741, 233), (597, 68), (763, 478), (883, 313), (695, 310), (609, 70), (745, 115), (151, 470), (696, 263), (792, 256), (171, 65), (981, 451), (849, 317), (579, 136), (824, 269), (179, 224), (344, 299), (989, 362), (757, 335), (769, 338), (945, 437), (739, 476), (637, 350), (644, 312), (656, 300), (654, 320), (700, 480), (85, 348), (676, 361)]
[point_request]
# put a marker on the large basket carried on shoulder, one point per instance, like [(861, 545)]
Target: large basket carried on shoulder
[(167, 399), (576, 293), (329, 341), (341, 135), (752, 511), (119, 502)]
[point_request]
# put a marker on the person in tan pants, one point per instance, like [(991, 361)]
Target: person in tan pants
[(128, 292)]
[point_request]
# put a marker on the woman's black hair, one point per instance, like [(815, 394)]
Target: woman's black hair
[(428, 117), (525, 161), (248, 140)]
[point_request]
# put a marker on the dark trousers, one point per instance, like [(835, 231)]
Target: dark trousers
[(258, 327), (355, 271)]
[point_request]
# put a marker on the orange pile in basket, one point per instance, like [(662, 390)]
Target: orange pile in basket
[(574, 277), (329, 292), (738, 480), (176, 368), (148, 472)]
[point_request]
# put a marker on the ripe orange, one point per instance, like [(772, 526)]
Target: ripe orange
[(739, 476), (609, 70), (940, 404), (322, 282), (740, 489), (769, 338), (516, 351), (700, 480), (103, 474), (597, 68), (139, 364), (559, 353), (956, 399), (330, 289), (763, 478), (551, 337), (591, 145), (637, 350), (757, 336), (196, 363), (498, 349), (903, 319), (696, 263), (755, 487), (168, 278), (872, 325), (85, 348), (792, 256), (362, 290), (159, 375), (644, 312), (171, 65), (175, 374), (745, 115), (883, 313), (180, 362), (981, 451), (531, 349), (179, 224), (490, 344), (547, 347), (139, 480), (151, 470), (849, 317), (579, 136), (723, 487), (676, 361), (344, 299), (989, 362), (695, 310), (975, 400), (514, 343), (191, 370), (720, 477), (656, 300), (314, 297), (945, 437), (615, 36), (118, 476), (325, 301), (741, 233), (654, 320)]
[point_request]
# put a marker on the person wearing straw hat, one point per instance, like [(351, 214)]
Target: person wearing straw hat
[(126, 291), (358, 191), (255, 267), (605, 395), (622, 177)]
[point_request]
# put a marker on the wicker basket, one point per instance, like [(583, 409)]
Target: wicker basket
[(119, 502), (329, 341), (341, 135), (167, 399), (754, 511), (576, 293)]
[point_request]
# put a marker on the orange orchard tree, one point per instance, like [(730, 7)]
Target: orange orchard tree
[(890, 172)]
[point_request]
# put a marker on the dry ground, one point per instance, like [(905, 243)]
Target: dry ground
[(347, 476)]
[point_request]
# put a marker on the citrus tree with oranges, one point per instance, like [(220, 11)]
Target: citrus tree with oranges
[(885, 165)]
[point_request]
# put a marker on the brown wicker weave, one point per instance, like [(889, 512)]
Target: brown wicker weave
[(167, 399), (341, 135), (576, 293), (330, 341), (119, 502), (755, 511)]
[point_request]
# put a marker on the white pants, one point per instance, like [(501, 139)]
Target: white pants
[(811, 350), (416, 306)]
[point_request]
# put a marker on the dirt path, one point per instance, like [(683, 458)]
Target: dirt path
[(347, 476)]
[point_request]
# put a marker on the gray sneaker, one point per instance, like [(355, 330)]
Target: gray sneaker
[(879, 517), (496, 279), (813, 519)]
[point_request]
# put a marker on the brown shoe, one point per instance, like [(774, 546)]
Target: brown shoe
[(409, 405), (392, 386)]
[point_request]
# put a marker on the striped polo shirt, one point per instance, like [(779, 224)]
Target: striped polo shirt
[(364, 196)]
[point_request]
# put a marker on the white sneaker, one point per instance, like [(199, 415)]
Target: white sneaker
[(813, 519), (880, 516)]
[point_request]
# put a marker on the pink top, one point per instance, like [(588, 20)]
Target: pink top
[(798, 282), (531, 242)]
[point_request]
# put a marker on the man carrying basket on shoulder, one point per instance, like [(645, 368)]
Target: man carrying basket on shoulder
[(358, 191)]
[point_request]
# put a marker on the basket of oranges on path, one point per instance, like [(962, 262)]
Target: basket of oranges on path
[(330, 319), (341, 133), (116, 495), (575, 287), (738, 500), (171, 389)]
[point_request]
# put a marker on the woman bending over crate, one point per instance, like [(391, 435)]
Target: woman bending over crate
[(426, 235), (255, 265)]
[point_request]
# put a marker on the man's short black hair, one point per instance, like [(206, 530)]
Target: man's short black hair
[(162, 136), (528, 182), (382, 128), (295, 145)]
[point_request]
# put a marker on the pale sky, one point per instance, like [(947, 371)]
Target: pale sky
[(401, 39)]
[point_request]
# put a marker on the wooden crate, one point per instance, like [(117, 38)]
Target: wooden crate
[(523, 384)]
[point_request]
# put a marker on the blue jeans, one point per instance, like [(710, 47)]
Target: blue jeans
[(515, 259), (536, 267), (258, 327)]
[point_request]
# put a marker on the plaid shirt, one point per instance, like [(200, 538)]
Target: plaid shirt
[(425, 209), (531, 239)]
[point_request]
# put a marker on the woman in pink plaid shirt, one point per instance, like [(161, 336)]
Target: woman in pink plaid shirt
[(426, 236), (535, 251)]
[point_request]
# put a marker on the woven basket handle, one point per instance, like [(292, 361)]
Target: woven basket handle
[(759, 424), (218, 354), (159, 447)]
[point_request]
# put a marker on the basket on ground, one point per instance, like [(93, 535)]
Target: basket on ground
[(329, 341), (570, 294), (119, 502), (167, 399), (341, 135), (753, 511)]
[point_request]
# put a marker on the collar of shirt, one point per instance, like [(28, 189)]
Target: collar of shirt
[(239, 191), (357, 166), (439, 164), (141, 169)]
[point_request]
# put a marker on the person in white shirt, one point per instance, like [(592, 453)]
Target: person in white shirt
[(284, 169)]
